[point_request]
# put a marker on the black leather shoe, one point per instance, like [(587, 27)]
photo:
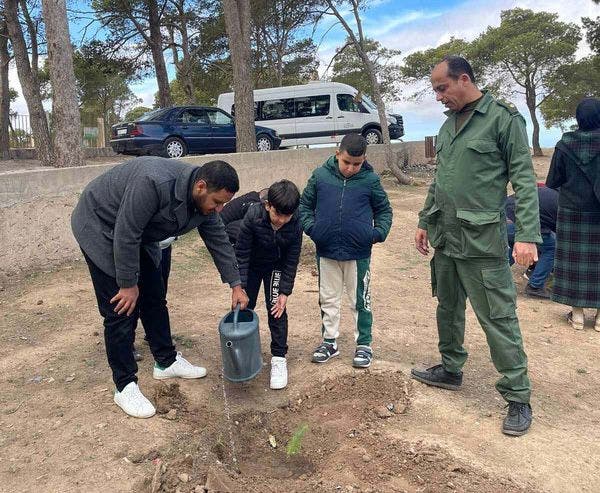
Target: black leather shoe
[(438, 377), (518, 419), (537, 292)]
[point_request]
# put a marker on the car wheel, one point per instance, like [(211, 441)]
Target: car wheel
[(373, 136), (264, 143), (174, 148)]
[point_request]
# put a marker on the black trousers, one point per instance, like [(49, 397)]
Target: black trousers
[(119, 330), (270, 278)]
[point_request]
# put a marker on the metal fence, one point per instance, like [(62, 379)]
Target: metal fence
[(21, 136), (19, 131)]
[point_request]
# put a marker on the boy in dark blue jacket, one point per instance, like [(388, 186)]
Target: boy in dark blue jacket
[(344, 209), (268, 250)]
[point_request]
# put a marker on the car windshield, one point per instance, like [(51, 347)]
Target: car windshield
[(156, 114), (368, 103)]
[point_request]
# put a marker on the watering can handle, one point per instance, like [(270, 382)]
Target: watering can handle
[(236, 314)]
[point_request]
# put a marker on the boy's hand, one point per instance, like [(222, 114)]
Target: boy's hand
[(279, 307), (238, 295), (127, 299)]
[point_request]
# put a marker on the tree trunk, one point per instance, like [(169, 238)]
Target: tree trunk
[(237, 24), (156, 47), (66, 119), (4, 92), (530, 98), (28, 80), (391, 160), (358, 41)]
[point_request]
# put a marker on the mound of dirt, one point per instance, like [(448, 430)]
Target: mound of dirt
[(330, 437)]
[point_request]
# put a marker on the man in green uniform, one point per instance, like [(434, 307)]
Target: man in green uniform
[(480, 148)]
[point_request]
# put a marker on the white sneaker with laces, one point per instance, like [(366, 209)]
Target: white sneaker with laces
[(181, 368), (133, 402), (279, 373)]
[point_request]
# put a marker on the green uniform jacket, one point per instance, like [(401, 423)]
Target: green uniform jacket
[(464, 209)]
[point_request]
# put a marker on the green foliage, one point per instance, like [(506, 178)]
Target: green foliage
[(593, 33), (349, 69), (418, 66), (12, 95), (103, 81), (281, 52), (295, 443), (135, 113), (568, 86), (528, 45)]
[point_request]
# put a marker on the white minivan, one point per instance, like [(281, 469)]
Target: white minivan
[(317, 113)]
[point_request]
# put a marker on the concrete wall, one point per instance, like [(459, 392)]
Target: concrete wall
[(35, 205), (88, 152)]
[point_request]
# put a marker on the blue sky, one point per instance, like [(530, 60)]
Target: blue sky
[(410, 27)]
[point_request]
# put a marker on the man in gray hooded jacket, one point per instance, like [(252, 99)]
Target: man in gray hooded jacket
[(119, 220)]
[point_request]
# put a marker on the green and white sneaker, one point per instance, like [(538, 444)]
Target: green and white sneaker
[(362, 357), (324, 352)]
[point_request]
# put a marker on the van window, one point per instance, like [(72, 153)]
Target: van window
[(276, 109), (346, 103), (312, 106), (256, 116)]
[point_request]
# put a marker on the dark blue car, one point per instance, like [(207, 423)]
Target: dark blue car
[(180, 130)]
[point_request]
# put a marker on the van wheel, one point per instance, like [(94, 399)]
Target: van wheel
[(174, 147), (264, 143), (373, 136)]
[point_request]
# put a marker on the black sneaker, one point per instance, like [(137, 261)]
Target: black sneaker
[(324, 352), (362, 357), (537, 292), (518, 419), (438, 377)]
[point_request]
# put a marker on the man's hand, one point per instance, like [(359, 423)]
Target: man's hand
[(278, 308), (127, 299), (421, 241), (238, 295), (525, 254)]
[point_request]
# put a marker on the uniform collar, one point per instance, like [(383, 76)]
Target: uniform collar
[(481, 107)]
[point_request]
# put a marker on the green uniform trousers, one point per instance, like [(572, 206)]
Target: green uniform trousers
[(488, 284)]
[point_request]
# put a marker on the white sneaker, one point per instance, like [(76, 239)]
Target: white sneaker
[(133, 402), (181, 368), (279, 374)]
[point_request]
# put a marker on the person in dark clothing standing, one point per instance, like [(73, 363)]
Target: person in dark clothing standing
[(268, 250), (118, 222), (233, 212), (537, 277), (575, 173)]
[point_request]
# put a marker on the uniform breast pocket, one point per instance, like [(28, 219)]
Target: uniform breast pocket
[(482, 151), (481, 233)]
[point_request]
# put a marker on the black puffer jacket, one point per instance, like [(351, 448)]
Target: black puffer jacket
[(234, 211), (259, 246)]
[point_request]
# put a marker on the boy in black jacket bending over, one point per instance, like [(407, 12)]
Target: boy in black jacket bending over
[(268, 251)]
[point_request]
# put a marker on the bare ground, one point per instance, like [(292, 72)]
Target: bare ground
[(373, 430)]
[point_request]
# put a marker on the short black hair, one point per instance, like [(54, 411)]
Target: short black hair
[(354, 144), (219, 175), (457, 66), (284, 196)]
